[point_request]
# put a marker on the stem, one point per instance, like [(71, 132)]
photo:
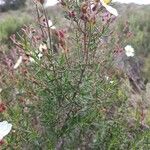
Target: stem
[(48, 28), (38, 16), (81, 75)]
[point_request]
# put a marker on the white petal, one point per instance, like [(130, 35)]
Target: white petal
[(42, 47), (111, 82), (49, 3), (40, 55), (129, 54), (31, 59), (129, 48), (17, 64), (129, 51), (53, 27), (50, 23), (5, 128), (112, 10), (107, 78)]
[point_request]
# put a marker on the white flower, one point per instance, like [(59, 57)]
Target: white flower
[(111, 82), (42, 47), (129, 50), (49, 3), (50, 24), (107, 78), (92, 4), (39, 52), (31, 59), (19, 61), (5, 128), (40, 55), (95, 140), (112, 10)]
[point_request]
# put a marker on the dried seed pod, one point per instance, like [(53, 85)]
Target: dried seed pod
[(41, 1), (84, 7)]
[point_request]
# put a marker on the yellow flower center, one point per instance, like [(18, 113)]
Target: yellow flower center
[(107, 1)]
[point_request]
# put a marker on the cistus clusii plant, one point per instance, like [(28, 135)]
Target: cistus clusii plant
[(67, 92)]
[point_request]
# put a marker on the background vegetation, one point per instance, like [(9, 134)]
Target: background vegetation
[(41, 104)]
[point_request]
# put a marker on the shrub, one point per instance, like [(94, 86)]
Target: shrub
[(66, 96)]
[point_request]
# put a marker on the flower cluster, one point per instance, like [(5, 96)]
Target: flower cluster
[(90, 10), (54, 38)]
